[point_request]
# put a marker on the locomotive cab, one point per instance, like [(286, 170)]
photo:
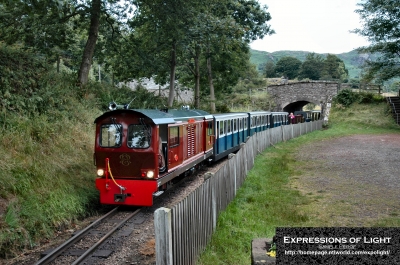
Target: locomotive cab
[(139, 152), (129, 155)]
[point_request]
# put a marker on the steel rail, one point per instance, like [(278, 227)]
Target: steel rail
[(98, 243), (57, 251)]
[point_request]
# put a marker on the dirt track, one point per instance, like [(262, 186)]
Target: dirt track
[(353, 180)]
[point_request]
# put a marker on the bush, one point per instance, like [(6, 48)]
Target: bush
[(345, 97), (368, 98)]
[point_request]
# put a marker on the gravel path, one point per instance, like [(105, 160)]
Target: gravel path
[(355, 180)]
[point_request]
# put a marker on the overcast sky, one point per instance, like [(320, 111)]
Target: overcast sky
[(320, 26)]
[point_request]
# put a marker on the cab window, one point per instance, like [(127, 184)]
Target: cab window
[(173, 136), (138, 136), (110, 135)]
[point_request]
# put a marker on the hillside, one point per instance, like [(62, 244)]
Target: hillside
[(353, 60), (46, 147)]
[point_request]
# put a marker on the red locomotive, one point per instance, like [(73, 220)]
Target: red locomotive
[(138, 153)]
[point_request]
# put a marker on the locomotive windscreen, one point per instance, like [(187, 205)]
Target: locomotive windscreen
[(138, 136), (110, 135)]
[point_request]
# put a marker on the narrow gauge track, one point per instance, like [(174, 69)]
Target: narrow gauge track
[(90, 243), (169, 198)]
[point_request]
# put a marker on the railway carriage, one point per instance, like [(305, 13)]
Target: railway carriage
[(279, 118), (232, 129), (259, 121)]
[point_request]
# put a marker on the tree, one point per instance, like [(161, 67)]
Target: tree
[(288, 66), (233, 26), (312, 67), (36, 25), (381, 26), (270, 69), (47, 25), (334, 69), (163, 31)]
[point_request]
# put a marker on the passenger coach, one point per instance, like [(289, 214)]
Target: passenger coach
[(232, 129)]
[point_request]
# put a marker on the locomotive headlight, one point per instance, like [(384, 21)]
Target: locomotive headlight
[(100, 172), (150, 174)]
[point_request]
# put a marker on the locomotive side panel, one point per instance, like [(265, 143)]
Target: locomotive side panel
[(175, 146), (209, 135)]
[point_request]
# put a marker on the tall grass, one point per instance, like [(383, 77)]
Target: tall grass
[(268, 198), (46, 149), (46, 173)]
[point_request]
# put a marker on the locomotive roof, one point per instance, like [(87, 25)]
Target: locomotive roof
[(161, 117), (179, 114)]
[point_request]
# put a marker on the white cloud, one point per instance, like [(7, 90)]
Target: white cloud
[(321, 26)]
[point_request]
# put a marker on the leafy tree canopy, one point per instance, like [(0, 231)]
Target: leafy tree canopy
[(312, 67), (288, 67), (381, 26), (334, 69), (269, 70)]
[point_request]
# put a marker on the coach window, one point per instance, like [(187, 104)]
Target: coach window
[(229, 122), (235, 125), (138, 136), (221, 128), (209, 128), (173, 136), (111, 135)]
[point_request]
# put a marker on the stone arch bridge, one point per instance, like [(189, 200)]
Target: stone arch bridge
[(291, 97)]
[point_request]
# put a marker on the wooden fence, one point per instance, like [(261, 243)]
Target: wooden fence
[(184, 231)]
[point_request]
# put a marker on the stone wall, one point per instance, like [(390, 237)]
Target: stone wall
[(317, 92)]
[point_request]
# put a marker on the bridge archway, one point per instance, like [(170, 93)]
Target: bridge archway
[(298, 105), (291, 97)]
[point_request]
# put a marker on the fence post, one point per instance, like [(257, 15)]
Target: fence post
[(163, 233), (230, 156)]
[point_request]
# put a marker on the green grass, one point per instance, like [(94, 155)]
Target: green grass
[(46, 147), (45, 171), (270, 198)]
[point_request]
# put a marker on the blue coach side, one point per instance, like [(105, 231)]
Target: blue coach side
[(231, 129), (259, 121), (279, 118)]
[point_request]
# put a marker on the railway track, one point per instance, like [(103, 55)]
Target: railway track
[(91, 245), (96, 241)]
